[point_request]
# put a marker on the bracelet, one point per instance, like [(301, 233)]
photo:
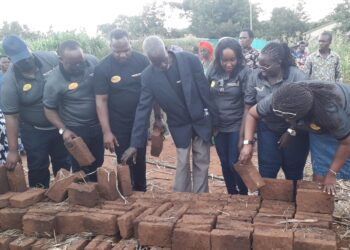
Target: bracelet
[(333, 172)]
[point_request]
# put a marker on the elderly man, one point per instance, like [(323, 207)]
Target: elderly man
[(21, 98), (69, 101), (176, 81)]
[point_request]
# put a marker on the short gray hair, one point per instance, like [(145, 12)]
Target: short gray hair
[(153, 46)]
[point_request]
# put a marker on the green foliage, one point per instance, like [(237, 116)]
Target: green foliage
[(342, 15)]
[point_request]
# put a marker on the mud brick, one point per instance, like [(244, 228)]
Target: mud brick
[(196, 227), (310, 240), (47, 208), (274, 204), (126, 245), (159, 248), (107, 182), (5, 241), (83, 194), (209, 210), (225, 222), (103, 224), (126, 222), (58, 191), (157, 139), (278, 212), (100, 242), (176, 211), (124, 180), (278, 189), (314, 220), (70, 222), (156, 233), (16, 179), (198, 219), (11, 218), (42, 244), (250, 176), (314, 201), (4, 185), (4, 199), (179, 196), (230, 239), (190, 239), (241, 215), (80, 151), (261, 221), (161, 209), (302, 184), (268, 238), (243, 206), (139, 218), (22, 243), (27, 198), (78, 245), (38, 225), (244, 199)]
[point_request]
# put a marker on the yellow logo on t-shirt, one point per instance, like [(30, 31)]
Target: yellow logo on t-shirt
[(73, 85), (115, 79), (27, 87), (313, 126)]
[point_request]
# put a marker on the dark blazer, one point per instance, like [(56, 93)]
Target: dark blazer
[(183, 118)]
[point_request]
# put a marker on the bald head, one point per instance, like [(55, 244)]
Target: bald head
[(154, 49)]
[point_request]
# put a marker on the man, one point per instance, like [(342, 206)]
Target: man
[(21, 97), (300, 54), (176, 81), (324, 64), (246, 38), (117, 81), (4, 65), (69, 102)]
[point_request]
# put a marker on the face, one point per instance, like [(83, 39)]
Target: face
[(302, 47), (268, 67), (160, 61), (26, 67), (228, 60), (244, 40), (4, 64), (324, 42), (73, 61), (204, 53), (121, 49)]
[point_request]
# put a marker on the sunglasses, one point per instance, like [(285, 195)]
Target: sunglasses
[(287, 115)]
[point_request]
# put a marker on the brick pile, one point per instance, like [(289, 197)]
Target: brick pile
[(300, 219)]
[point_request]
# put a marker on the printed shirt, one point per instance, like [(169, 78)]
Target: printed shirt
[(251, 56)]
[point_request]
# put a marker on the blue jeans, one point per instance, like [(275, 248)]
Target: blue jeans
[(227, 148), (138, 170), (271, 158), (40, 146), (93, 138), (323, 148)]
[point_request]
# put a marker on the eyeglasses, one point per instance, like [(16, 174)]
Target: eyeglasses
[(287, 115), (264, 67)]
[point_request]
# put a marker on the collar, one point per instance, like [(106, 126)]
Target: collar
[(66, 75), (38, 64), (331, 53)]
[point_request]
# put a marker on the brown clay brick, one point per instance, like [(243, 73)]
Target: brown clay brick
[(4, 185), (156, 233), (39, 225), (139, 218), (103, 224), (241, 215), (314, 220), (226, 223), (261, 221), (83, 194), (27, 198), (70, 222), (16, 179), (234, 239), (22, 243), (42, 244), (11, 218), (250, 176), (124, 180), (80, 151), (78, 245), (4, 199), (126, 245), (58, 190), (308, 184), (100, 242), (198, 219), (5, 242), (314, 201), (310, 240), (190, 239), (126, 222), (268, 238), (277, 189), (107, 182)]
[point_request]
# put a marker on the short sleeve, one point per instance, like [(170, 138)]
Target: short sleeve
[(250, 90), (51, 94), (10, 100), (264, 106), (101, 83), (244, 80), (342, 130)]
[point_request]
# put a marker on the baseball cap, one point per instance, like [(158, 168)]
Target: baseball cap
[(15, 48)]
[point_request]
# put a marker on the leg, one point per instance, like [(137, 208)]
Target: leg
[(233, 158), (3, 140), (139, 171), (200, 161), (269, 155), (36, 144), (294, 156), (58, 152), (183, 181), (222, 149)]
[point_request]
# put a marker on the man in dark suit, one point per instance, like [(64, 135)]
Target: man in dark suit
[(176, 81)]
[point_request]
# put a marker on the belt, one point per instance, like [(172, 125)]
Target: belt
[(45, 128)]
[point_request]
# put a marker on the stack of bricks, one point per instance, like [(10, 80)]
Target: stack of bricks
[(286, 216)]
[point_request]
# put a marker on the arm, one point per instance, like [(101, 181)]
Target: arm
[(308, 66), (158, 118), (12, 135), (55, 119), (241, 130), (110, 141)]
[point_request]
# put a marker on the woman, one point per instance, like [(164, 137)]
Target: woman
[(324, 110), (227, 77), (276, 67), (206, 51)]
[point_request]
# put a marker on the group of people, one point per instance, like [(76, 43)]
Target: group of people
[(232, 94)]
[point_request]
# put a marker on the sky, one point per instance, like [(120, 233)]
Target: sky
[(64, 15)]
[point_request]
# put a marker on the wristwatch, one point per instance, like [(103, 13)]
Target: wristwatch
[(292, 132), (61, 131), (248, 142)]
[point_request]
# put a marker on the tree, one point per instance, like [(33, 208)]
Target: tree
[(300, 11), (342, 15), (18, 29)]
